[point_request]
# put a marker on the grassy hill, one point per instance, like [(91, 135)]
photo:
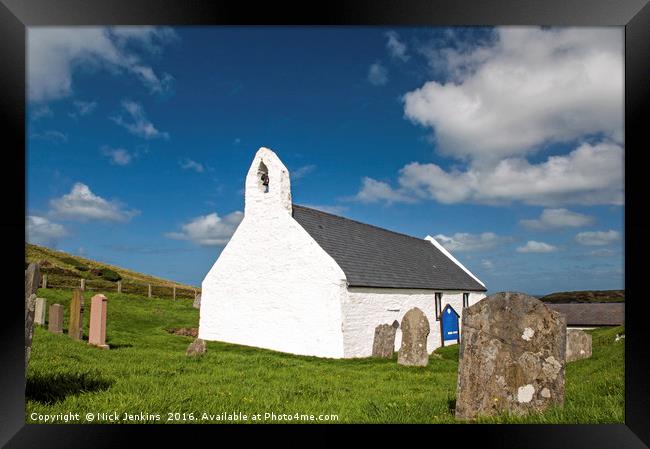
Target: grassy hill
[(65, 271), (146, 370), (585, 296)]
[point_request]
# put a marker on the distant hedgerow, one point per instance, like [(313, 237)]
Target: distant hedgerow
[(110, 275)]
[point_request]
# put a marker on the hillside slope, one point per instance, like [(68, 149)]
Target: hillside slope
[(64, 268), (585, 296)]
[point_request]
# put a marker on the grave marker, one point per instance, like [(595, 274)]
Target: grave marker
[(55, 319), (511, 357), (97, 331)]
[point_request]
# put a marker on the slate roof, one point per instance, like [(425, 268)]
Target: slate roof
[(592, 314), (375, 257)]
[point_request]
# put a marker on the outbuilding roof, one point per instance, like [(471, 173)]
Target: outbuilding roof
[(592, 313), (374, 257)]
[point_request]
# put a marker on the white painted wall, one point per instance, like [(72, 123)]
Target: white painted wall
[(273, 286), (365, 308)]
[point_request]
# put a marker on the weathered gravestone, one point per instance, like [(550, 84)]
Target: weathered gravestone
[(32, 280), (75, 319), (97, 328), (39, 311), (197, 347), (383, 345), (578, 345), (197, 301), (415, 330), (511, 357), (55, 319)]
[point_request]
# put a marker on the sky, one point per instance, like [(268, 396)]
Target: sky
[(505, 144)]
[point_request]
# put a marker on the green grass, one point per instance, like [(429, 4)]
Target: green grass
[(146, 370)]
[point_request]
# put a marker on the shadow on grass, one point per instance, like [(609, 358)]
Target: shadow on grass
[(51, 388), (118, 345)]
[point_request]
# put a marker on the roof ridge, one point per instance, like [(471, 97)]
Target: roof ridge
[(360, 222)]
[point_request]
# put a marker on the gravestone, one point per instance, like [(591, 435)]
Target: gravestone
[(511, 357), (55, 319), (40, 310), (97, 328), (384, 344), (32, 280), (197, 347), (415, 330), (578, 345), (119, 286), (75, 319), (82, 285), (197, 301)]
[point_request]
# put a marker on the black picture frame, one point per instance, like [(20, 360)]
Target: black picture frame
[(634, 15)]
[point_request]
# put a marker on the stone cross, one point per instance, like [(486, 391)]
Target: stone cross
[(32, 279), (97, 331), (511, 357), (415, 330), (55, 320), (578, 345), (40, 310), (75, 319), (383, 345)]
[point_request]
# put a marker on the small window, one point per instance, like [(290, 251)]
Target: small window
[(438, 305), (465, 300)]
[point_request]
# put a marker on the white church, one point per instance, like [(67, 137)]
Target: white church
[(302, 281)]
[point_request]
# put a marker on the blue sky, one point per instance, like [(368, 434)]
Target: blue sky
[(505, 144)]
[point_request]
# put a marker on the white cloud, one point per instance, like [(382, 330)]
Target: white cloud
[(189, 164), (396, 48), (597, 238), (377, 74), (42, 231), (209, 230), (303, 171), (54, 53), (41, 111), (465, 242), (150, 38), (117, 156), (558, 218), (588, 175), (536, 247), (603, 252), (82, 108), (138, 123), (81, 204), (487, 264), (50, 135), (373, 191), (531, 87)]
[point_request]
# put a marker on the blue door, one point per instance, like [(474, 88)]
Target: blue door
[(449, 325)]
